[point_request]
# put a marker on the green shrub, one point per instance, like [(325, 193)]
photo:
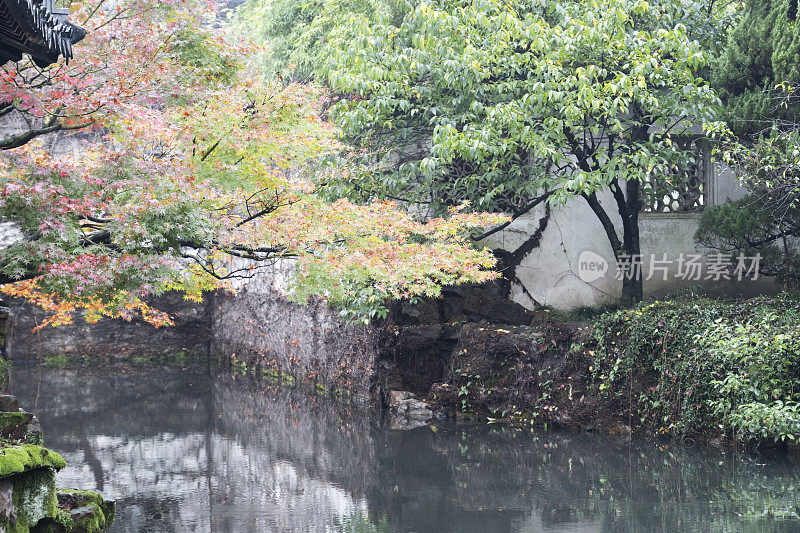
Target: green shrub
[(754, 225), (703, 367)]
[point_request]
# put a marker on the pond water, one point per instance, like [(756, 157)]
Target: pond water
[(195, 451)]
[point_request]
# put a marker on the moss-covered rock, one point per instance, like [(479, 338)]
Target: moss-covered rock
[(27, 484), (89, 511), (34, 497), (26, 457), (14, 419), (14, 425), (29, 502), (27, 499)]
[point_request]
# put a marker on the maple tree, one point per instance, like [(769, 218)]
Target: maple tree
[(194, 173)]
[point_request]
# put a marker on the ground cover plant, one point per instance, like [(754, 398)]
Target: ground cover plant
[(701, 367)]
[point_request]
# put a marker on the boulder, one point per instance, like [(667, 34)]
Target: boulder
[(407, 410)]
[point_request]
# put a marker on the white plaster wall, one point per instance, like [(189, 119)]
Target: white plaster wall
[(551, 276), (726, 186), (550, 272)]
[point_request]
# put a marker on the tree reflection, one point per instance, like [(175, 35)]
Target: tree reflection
[(190, 450)]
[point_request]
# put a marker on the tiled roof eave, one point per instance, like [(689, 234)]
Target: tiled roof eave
[(48, 33)]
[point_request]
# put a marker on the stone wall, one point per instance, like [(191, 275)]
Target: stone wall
[(260, 326), (256, 326), (112, 338)]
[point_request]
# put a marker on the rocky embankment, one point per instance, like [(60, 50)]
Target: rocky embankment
[(475, 354), (472, 352)]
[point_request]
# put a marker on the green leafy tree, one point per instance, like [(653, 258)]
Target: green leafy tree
[(707, 21), (298, 33), (758, 77), (508, 103), (762, 53)]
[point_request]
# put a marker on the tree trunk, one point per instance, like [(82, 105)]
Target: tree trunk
[(628, 249), (632, 286), (632, 290)]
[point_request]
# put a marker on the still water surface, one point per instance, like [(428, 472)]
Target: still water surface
[(191, 451)]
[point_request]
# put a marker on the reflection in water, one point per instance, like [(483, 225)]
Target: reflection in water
[(184, 450)]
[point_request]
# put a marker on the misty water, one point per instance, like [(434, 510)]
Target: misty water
[(199, 451)]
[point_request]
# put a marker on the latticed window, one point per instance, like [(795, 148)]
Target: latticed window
[(686, 188)]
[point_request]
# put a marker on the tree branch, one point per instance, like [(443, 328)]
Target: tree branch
[(536, 201), (21, 139), (605, 221)]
